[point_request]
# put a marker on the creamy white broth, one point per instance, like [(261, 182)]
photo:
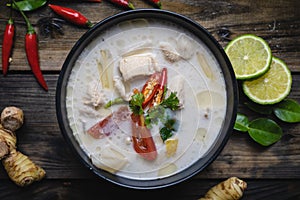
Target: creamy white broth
[(204, 97)]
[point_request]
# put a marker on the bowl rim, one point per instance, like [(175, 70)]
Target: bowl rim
[(231, 91)]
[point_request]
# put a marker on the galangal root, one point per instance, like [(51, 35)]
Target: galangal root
[(20, 169), (230, 189)]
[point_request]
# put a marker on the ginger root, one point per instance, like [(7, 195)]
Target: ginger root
[(20, 169), (230, 189)]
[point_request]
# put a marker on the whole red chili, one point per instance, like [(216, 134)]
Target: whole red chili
[(123, 3), (156, 3), (31, 48), (32, 51), (71, 15), (7, 45)]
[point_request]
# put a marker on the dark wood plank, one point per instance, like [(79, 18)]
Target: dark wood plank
[(190, 190), (271, 172)]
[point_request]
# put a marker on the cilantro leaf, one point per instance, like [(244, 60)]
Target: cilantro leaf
[(135, 103), (171, 102), (167, 131)]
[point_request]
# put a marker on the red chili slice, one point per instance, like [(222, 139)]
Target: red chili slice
[(150, 88), (159, 94)]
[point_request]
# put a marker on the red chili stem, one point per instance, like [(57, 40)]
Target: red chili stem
[(123, 3), (157, 3), (8, 40), (31, 48), (71, 15)]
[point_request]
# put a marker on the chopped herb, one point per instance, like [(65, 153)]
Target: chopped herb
[(171, 102), (167, 131), (135, 103), (154, 114)]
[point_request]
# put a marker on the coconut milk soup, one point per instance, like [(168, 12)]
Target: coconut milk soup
[(123, 59)]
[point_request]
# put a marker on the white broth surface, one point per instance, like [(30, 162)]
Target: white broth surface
[(148, 46)]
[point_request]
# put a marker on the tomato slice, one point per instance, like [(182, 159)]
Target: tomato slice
[(143, 142)]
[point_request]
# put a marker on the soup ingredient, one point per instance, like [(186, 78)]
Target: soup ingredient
[(159, 94), (249, 55), (142, 139), (169, 52), (8, 39), (115, 101), (19, 167), (150, 88), (123, 3), (136, 102), (157, 3), (32, 54), (167, 131), (230, 189), (171, 146), (137, 65), (109, 159), (272, 87), (110, 123), (121, 88), (71, 15)]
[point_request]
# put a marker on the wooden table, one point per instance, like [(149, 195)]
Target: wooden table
[(271, 172)]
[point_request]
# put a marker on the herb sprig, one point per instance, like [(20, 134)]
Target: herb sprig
[(157, 113)]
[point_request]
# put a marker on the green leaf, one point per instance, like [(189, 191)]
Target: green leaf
[(171, 102), (265, 131), (29, 5), (154, 114), (165, 133), (135, 103), (288, 111), (241, 123)]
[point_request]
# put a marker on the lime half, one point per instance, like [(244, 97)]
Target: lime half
[(272, 87), (249, 55)]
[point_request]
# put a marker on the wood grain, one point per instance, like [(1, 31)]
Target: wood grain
[(271, 172)]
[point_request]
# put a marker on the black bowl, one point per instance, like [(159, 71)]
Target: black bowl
[(213, 46)]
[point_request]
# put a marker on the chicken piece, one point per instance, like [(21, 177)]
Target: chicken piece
[(169, 52), (95, 95), (138, 65), (120, 87)]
